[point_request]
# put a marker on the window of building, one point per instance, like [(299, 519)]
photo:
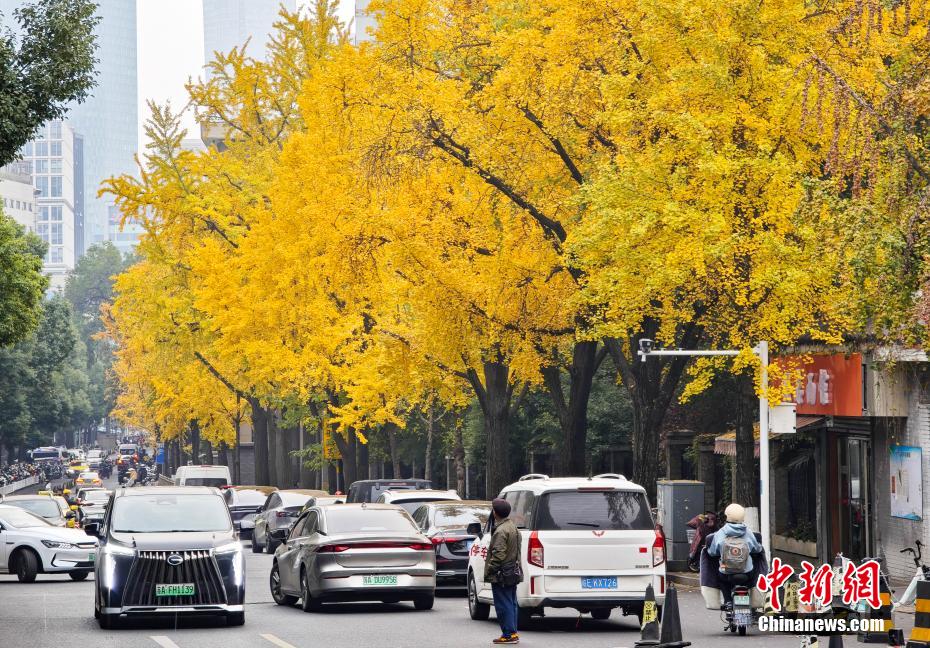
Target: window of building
[(56, 254), (42, 149), (42, 231), (26, 151), (54, 130), (56, 187), (56, 149), (42, 185), (43, 212), (55, 164), (56, 237), (41, 166), (55, 213)]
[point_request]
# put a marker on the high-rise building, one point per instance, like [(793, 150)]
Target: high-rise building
[(108, 119), (230, 23), (50, 161), (17, 194), (363, 21)]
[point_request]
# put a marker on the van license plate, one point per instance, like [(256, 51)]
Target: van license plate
[(379, 581), (742, 599), (599, 582), (180, 589)]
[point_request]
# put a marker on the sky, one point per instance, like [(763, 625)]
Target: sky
[(171, 50)]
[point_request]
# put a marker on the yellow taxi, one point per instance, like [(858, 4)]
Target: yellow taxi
[(76, 467), (88, 478)]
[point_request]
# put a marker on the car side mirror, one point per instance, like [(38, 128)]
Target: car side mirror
[(92, 529), (475, 529)]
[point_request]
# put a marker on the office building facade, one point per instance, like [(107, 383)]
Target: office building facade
[(230, 23)]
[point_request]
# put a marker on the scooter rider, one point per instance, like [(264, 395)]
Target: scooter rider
[(733, 544)]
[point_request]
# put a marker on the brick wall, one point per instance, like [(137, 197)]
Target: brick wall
[(894, 534)]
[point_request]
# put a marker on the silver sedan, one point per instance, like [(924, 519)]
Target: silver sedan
[(354, 552)]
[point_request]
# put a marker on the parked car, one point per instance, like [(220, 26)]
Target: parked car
[(218, 476), (33, 546), (55, 511), (354, 552), (167, 551), (411, 500), (369, 490), (588, 543), (277, 515), (446, 524), (243, 501)]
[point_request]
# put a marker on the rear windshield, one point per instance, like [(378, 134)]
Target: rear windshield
[(340, 520), (459, 517), (576, 510), (245, 497), (205, 481), (97, 496)]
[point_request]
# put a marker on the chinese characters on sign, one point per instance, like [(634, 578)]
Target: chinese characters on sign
[(860, 583)]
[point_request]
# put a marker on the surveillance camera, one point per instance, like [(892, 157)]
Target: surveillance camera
[(645, 346)]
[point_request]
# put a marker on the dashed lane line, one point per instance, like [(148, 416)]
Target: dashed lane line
[(164, 641), (280, 643)]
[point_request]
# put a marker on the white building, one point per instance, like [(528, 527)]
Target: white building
[(363, 21), (230, 23), (18, 195), (50, 158)]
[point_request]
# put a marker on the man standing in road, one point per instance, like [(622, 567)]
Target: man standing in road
[(503, 571)]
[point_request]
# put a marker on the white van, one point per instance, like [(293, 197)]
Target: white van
[(216, 476), (587, 543)]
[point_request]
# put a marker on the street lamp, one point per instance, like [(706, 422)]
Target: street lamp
[(761, 350)]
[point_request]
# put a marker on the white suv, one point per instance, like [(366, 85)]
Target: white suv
[(411, 500), (587, 543)]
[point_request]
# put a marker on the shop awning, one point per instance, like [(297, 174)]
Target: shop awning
[(725, 444)]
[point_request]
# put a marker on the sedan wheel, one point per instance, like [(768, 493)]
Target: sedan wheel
[(78, 576), (27, 566), (307, 603), (477, 610), (279, 597)]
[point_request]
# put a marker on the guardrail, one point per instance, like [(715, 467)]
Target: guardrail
[(17, 485)]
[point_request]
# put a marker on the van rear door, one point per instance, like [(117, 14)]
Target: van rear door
[(598, 538)]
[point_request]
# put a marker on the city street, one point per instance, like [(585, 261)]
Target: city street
[(55, 612)]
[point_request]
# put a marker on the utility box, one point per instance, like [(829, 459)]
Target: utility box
[(677, 501)]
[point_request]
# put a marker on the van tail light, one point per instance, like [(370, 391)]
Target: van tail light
[(535, 554), (658, 550)]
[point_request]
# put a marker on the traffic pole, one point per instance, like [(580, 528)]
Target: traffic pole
[(762, 350)]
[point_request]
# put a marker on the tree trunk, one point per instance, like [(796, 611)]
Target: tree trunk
[(237, 454), (428, 459), (260, 439), (207, 452), (223, 455), (494, 396), (573, 415), (458, 453), (362, 463), (652, 386), (746, 479), (391, 429), (195, 440), (273, 449), (347, 451), (283, 436)]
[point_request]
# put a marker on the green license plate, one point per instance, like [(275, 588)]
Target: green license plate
[(181, 589), (92, 557), (378, 581)]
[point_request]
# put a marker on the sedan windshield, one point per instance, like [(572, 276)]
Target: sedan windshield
[(339, 520), (169, 513), (20, 519), (44, 507)]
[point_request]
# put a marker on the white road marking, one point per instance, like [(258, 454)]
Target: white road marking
[(278, 642), (164, 641)]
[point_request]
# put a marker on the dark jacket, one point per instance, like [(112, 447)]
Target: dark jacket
[(503, 548), (710, 566)]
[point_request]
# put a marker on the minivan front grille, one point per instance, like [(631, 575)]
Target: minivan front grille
[(152, 568)]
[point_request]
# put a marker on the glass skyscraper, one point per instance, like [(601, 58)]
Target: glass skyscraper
[(229, 23), (108, 120)]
